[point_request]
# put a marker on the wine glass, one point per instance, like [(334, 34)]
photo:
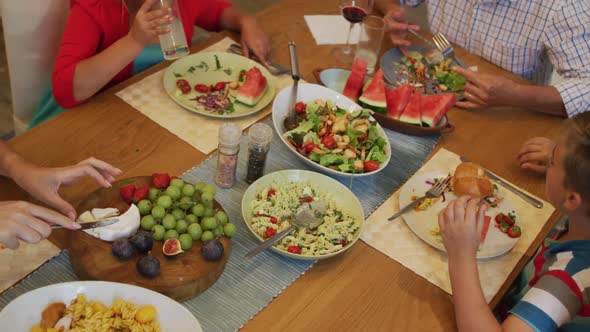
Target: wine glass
[(354, 11)]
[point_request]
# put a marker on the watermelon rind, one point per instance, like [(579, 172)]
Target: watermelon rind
[(250, 101), (373, 96), (411, 120), (377, 106)]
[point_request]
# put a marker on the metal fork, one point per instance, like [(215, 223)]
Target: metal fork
[(445, 47), (272, 67), (436, 190)]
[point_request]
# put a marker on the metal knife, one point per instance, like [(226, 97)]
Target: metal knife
[(92, 224), (534, 202), (276, 70)]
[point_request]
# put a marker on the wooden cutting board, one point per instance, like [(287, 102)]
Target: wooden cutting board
[(182, 277)]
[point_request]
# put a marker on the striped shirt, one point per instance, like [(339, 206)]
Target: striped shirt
[(526, 37), (556, 292)]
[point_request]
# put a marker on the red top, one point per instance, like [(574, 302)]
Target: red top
[(94, 25)]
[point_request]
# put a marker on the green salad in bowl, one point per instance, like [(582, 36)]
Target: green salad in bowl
[(346, 141)]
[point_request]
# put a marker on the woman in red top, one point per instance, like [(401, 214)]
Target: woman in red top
[(103, 37)]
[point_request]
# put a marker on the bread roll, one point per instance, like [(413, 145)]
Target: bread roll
[(470, 179)]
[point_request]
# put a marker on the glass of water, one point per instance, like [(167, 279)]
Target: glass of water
[(370, 41), (173, 43)]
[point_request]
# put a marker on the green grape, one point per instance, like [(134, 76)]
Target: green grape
[(158, 232), (210, 189), (185, 203), (178, 214), (207, 236), (209, 223), (173, 192), (198, 210), (209, 212), (199, 186), (186, 241), (181, 226), (218, 231), (144, 206), (188, 190), (229, 230), (208, 205), (221, 217), (170, 234), (178, 183), (158, 212), (169, 222), (197, 196), (164, 201), (154, 194), (207, 197), (191, 219), (195, 231), (148, 222)]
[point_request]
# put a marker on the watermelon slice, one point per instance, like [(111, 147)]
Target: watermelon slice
[(434, 107), (412, 112), (253, 88), (374, 95), (354, 83), (486, 228), (398, 99)]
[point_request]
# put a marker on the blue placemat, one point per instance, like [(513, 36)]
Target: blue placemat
[(247, 286)]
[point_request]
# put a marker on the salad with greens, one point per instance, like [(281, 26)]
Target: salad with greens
[(337, 139)]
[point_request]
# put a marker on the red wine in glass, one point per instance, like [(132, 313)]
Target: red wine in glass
[(354, 14)]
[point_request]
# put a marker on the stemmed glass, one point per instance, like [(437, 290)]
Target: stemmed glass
[(354, 11)]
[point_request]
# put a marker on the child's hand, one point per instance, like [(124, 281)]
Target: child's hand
[(148, 22), (253, 38), (535, 154), (28, 222), (461, 224), (44, 183)]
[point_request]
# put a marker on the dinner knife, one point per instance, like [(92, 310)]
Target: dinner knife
[(533, 201), (92, 224)]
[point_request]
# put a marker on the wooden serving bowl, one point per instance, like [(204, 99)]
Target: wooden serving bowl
[(182, 277), (444, 127)]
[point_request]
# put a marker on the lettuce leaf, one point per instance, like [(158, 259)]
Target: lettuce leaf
[(331, 159)]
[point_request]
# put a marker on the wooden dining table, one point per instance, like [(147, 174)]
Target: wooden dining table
[(361, 289)]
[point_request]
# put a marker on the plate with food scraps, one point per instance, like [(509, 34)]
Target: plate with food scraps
[(423, 220), (47, 305), (424, 68), (220, 85), (270, 201)]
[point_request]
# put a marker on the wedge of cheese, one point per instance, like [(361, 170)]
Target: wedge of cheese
[(126, 226)]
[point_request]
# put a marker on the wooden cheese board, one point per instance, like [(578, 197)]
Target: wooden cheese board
[(182, 277)]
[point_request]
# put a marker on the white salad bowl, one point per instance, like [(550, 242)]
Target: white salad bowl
[(344, 199), (308, 92)]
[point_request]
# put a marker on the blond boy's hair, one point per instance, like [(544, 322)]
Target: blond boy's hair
[(577, 157)]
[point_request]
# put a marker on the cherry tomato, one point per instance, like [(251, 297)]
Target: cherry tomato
[(202, 88), (180, 83), (300, 108), (362, 138), (185, 89), (371, 165), (342, 242), (270, 232), (274, 220), (220, 86), (514, 231), (306, 199), (271, 193), (294, 249), (309, 146), (329, 142)]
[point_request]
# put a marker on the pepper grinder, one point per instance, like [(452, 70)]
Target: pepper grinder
[(229, 147), (259, 139)]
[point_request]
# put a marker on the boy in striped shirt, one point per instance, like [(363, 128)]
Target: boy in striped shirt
[(556, 292)]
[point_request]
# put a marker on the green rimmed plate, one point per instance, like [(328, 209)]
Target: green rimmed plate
[(201, 68)]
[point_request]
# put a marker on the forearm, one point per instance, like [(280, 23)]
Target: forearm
[(383, 6), (471, 309), (232, 19), (545, 99), (11, 164), (94, 73)]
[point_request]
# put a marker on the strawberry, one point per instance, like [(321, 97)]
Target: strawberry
[(127, 192), (508, 220), (140, 193), (160, 180)]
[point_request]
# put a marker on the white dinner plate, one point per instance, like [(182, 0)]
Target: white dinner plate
[(25, 311), (423, 223)]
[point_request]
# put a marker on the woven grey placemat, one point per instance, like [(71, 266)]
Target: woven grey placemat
[(247, 286)]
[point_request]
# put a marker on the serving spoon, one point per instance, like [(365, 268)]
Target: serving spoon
[(290, 121), (307, 216)]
